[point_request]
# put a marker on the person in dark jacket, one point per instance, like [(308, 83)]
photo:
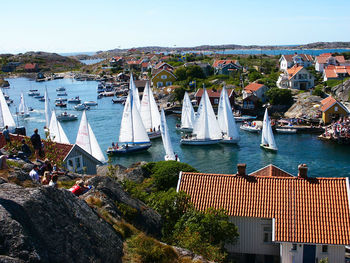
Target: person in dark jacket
[(36, 142), (6, 134), (25, 149)]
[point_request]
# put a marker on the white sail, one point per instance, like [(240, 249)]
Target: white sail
[(187, 113), (166, 138), (132, 129), (86, 139), (47, 109), (57, 133), (267, 135), (5, 114), (149, 110), (225, 117), (135, 93), (206, 126), (23, 109)]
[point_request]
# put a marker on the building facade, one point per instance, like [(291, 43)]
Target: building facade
[(297, 77)]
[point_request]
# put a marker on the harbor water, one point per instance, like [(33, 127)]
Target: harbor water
[(324, 159)]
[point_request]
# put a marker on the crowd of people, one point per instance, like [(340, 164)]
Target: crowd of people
[(46, 173), (339, 129)]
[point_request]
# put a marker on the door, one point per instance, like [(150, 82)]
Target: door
[(309, 253)]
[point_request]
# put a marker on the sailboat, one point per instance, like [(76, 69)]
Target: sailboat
[(150, 114), (267, 139), (187, 115), (47, 109), (135, 91), (23, 109), (226, 119), (5, 114), (86, 139), (132, 136), (56, 131), (206, 129), (169, 152)]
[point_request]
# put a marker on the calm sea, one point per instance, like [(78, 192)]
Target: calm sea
[(323, 159)]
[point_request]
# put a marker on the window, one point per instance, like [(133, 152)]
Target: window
[(216, 101), (295, 84), (75, 164), (164, 77), (294, 247), (168, 83), (335, 108), (159, 84), (267, 234), (324, 249)]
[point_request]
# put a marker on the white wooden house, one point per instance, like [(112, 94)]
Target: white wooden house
[(280, 217), (324, 60), (256, 89), (288, 61), (296, 77)]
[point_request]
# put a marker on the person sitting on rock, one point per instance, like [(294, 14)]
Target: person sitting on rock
[(57, 171), (25, 149), (79, 188), (34, 174), (45, 167), (3, 163), (53, 181), (46, 178)]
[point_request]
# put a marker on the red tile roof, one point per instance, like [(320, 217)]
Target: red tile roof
[(214, 94), (253, 87), (294, 70), (323, 58), (330, 73), (329, 102), (340, 59), (164, 65), (30, 66), (220, 63), (304, 57), (313, 210)]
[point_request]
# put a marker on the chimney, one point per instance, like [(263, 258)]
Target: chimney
[(241, 169), (302, 171)]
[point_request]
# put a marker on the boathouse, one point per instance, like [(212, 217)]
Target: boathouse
[(332, 110), (280, 217)]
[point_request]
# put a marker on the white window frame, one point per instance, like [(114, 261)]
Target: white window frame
[(74, 161), (164, 77), (216, 101)]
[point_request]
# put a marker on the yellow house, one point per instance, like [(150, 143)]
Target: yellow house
[(162, 78), (332, 110)]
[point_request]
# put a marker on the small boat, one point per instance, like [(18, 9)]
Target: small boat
[(57, 133), (185, 130), (206, 129), (62, 94), (30, 109), (42, 99), (7, 97), (60, 99), (33, 90), (74, 100), (23, 109), (81, 107), (61, 104), (169, 152), (119, 99), (33, 93), (226, 120), (249, 128), (187, 115), (9, 101), (61, 89), (267, 139), (38, 96), (132, 136), (244, 118), (150, 114), (286, 130), (64, 116), (90, 103)]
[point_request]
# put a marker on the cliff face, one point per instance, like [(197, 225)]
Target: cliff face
[(342, 91), (52, 225)]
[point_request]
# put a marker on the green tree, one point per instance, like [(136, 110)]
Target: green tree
[(318, 91), (194, 72), (278, 96), (254, 75), (180, 73)]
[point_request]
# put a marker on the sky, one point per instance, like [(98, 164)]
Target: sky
[(92, 25)]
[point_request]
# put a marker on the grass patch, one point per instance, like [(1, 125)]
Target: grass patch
[(125, 229), (11, 163), (128, 212), (66, 184), (93, 201)]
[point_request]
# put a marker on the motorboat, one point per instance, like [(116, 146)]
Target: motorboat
[(226, 120), (42, 99), (33, 90), (61, 89), (286, 130), (64, 116), (150, 114), (206, 129), (62, 94), (119, 99), (56, 132), (244, 118), (75, 100), (9, 101), (250, 128), (38, 96), (61, 104), (90, 103), (60, 99), (33, 93), (267, 138), (81, 107), (183, 129), (132, 136)]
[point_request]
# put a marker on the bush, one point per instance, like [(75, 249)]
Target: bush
[(278, 96), (318, 91)]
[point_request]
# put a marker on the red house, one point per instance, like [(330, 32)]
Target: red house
[(214, 96), (31, 67)]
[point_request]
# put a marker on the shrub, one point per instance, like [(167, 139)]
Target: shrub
[(278, 96), (318, 91), (128, 212)]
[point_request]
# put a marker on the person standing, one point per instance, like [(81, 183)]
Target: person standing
[(6, 134), (36, 142)]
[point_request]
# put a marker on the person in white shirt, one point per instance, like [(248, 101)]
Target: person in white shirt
[(34, 174)]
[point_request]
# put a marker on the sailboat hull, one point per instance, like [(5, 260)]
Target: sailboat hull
[(199, 142), (189, 130), (154, 135), (268, 148), (167, 158), (130, 149), (229, 141)]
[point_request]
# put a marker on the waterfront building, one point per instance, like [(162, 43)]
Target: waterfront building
[(225, 67), (332, 110), (288, 61), (214, 96), (326, 59), (280, 217), (162, 78), (336, 72), (255, 89), (296, 77)]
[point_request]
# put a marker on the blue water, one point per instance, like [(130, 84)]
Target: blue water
[(323, 159), (91, 61), (313, 52), (89, 53)]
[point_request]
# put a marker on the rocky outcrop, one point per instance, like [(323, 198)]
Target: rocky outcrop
[(342, 91), (46, 224), (120, 204), (306, 105), (119, 172)]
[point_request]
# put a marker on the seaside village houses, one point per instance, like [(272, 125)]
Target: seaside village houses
[(296, 77), (162, 75), (225, 67), (288, 61), (324, 60), (280, 217)]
